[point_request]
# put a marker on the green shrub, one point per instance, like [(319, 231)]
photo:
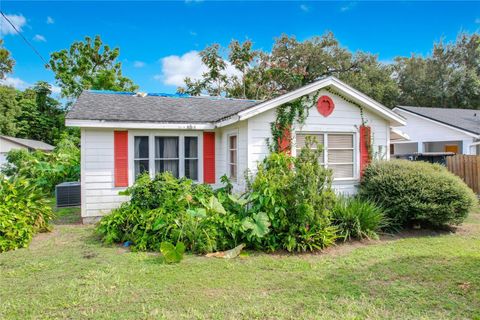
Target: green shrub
[(357, 218), (23, 212), (296, 195), (46, 169), (167, 209), (417, 193)]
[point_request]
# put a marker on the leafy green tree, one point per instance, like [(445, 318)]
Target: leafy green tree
[(41, 117), (290, 65), (6, 61), (89, 65), (448, 78), (9, 110)]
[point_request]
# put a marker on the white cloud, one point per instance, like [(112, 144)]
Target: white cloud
[(193, 33), (17, 20), (17, 83), (477, 20), (56, 89), (176, 68), (139, 64), (348, 6), (20, 84), (39, 38), (50, 20), (190, 1), (304, 8)]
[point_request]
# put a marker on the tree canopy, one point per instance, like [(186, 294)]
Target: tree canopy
[(448, 77), (89, 64)]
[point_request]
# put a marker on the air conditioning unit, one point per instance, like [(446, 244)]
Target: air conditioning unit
[(68, 194)]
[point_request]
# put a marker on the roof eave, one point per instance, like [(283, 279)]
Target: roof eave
[(82, 123), (465, 131)]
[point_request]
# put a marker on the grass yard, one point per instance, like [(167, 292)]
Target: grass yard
[(69, 274)]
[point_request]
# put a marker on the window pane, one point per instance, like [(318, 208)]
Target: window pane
[(141, 147), (342, 170), (302, 137), (233, 171), (191, 147), (340, 141), (233, 156), (340, 156), (167, 165), (233, 142), (141, 166), (191, 169), (166, 147)]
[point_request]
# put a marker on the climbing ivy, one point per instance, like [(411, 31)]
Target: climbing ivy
[(297, 111), (294, 111)]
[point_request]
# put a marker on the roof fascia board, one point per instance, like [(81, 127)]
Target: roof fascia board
[(396, 119), (136, 125), (443, 124)]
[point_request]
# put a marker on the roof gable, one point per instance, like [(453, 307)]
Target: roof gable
[(336, 86)]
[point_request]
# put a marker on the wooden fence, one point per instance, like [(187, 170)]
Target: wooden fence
[(467, 168)]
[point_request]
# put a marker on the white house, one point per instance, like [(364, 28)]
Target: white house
[(438, 130), (11, 143), (203, 138)]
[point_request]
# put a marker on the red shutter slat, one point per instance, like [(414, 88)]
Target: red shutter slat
[(209, 157), (365, 140), (120, 151), (284, 141)]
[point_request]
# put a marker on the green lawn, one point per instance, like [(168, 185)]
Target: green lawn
[(69, 274)]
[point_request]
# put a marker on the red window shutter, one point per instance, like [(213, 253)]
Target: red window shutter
[(365, 140), (209, 157), (120, 151), (284, 141)]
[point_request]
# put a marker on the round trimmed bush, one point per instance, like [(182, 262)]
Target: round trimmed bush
[(417, 193)]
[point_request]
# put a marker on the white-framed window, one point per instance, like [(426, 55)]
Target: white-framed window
[(141, 155), (178, 154), (232, 156), (167, 156), (191, 158), (338, 152)]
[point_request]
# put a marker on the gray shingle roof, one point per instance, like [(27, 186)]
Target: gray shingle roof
[(32, 144), (165, 109), (465, 119)]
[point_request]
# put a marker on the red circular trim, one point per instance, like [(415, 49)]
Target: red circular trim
[(325, 106)]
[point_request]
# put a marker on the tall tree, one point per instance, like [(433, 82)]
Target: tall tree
[(9, 110), (6, 61), (292, 64), (89, 65), (448, 78), (41, 117)]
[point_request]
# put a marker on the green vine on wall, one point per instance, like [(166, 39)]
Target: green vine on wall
[(288, 113), (297, 111)]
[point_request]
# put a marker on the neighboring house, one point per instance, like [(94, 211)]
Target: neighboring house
[(10, 143), (438, 130), (204, 138)]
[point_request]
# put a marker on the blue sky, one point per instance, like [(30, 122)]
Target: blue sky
[(159, 40)]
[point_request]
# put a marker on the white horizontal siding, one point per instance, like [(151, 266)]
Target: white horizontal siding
[(99, 195)]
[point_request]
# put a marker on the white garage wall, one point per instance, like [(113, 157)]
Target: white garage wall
[(422, 130)]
